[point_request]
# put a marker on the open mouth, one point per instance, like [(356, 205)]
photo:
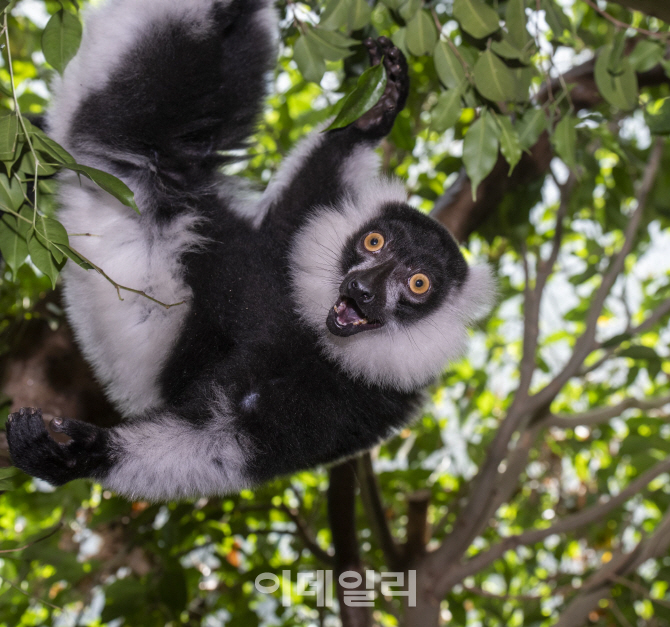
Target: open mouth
[(346, 318)]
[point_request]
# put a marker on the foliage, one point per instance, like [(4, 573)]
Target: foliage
[(559, 402)]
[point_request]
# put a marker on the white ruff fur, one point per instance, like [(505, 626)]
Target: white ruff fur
[(405, 357), (166, 458)]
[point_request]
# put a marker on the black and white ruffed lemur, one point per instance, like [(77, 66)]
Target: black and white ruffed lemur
[(314, 315)]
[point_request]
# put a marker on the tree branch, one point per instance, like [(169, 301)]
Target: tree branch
[(602, 414), (658, 9), (599, 584), (418, 531), (584, 345), (456, 573), (306, 535), (376, 513), (342, 516)]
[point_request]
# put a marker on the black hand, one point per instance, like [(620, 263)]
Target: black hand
[(378, 121), (34, 451)]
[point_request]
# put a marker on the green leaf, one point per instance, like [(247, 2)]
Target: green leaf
[(53, 235), (515, 22), (109, 183), (43, 259), (398, 38), (639, 352), (76, 257), (409, 8), (335, 15), (55, 151), (476, 18), (480, 149), (510, 145), (11, 193), (366, 94), (360, 14), (61, 39), (646, 55), (421, 34), (657, 116), (506, 50), (447, 110), (9, 132), (332, 45), (309, 60), (616, 340), (523, 77), (557, 20), (530, 127), (619, 89), (394, 5), (13, 245), (493, 78), (449, 69), (564, 140)]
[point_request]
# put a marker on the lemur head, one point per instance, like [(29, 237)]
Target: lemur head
[(398, 268), (386, 288)]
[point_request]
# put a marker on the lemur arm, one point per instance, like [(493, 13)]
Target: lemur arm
[(327, 166)]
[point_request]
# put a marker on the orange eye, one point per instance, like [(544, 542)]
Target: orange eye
[(374, 242), (419, 283)]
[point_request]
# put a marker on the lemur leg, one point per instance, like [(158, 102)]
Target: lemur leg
[(169, 454), (155, 90), (159, 86), (326, 167)]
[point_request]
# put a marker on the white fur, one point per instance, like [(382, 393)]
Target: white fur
[(110, 31), (290, 167), (126, 341), (168, 458), (404, 357)]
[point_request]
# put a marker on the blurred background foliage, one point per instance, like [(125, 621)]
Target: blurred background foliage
[(560, 109)]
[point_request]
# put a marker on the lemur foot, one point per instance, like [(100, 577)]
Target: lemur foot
[(378, 121), (36, 452)]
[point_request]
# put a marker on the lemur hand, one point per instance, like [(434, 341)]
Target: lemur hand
[(378, 121), (36, 452)]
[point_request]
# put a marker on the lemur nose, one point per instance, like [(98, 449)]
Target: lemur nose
[(360, 290)]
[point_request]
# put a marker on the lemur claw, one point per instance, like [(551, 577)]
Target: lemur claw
[(378, 121)]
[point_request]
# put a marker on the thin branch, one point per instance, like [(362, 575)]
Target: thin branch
[(306, 535), (55, 530), (118, 286), (456, 573), (599, 584), (585, 344), (620, 24), (639, 589), (487, 492), (603, 414), (376, 513), (30, 596)]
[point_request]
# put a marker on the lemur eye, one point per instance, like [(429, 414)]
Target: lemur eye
[(373, 242), (419, 283)]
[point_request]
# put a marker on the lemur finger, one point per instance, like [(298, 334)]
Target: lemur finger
[(374, 51), (80, 432)]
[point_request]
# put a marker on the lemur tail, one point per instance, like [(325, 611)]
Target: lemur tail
[(159, 87)]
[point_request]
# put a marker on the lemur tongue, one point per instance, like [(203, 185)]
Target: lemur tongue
[(347, 313)]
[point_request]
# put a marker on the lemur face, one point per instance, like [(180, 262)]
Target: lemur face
[(397, 269)]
